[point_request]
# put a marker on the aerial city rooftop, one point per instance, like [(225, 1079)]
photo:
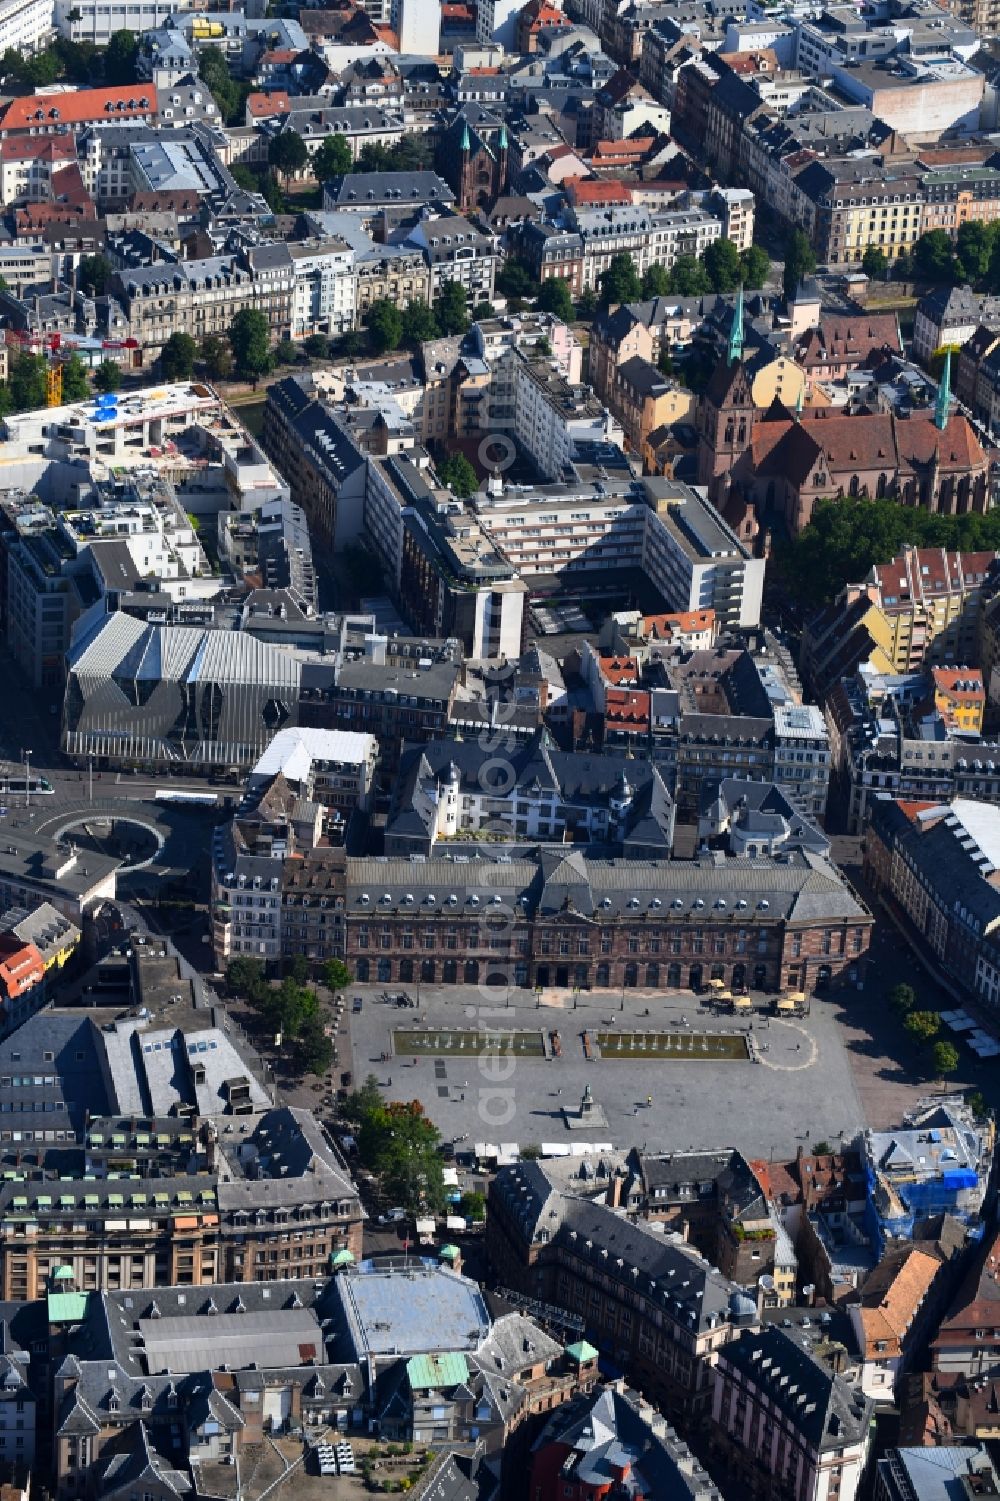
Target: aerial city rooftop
[(499, 750)]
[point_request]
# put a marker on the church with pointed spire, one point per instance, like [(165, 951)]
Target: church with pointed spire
[(725, 418), (473, 158), (781, 461)]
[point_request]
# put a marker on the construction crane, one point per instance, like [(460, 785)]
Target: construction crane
[(50, 347), (54, 381)]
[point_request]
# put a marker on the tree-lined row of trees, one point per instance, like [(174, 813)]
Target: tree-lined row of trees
[(291, 1009), (846, 537), (389, 326), (398, 1143), (721, 268), (74, 62)]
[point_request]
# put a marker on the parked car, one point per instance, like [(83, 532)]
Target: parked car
[(356, 1004)]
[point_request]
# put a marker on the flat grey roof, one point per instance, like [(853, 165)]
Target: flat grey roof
[(275, 1337)]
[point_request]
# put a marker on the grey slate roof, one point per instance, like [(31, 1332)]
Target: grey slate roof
[(827, 1410)]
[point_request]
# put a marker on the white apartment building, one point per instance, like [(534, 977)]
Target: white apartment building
[(552, 528), (802, 756), (495, 337), (323, 289), (649, 238), (456, 250), (734, 208), (667, 529), (25, 25), (496, 21), (246, 898), (332, 767), (695, 560), (26, 266), (97, 20), (550, 416)]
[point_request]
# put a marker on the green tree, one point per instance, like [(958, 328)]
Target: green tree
[(313, 1048), (620, 282), (94, 273), (385, 326), (800, 261), (363, 1101), (270, 188), (120, 58), (974, 245), (287, 1007), (318, 347), (213, 70), (923, 1025), (655, 281), (27, 382), (287, 153), (419, 323), (902, 999), (297, 969), (976, 1102), (250, 341), (554, 297), (483, 310), (400, 1145), (332, 158), (874, 263), (336, 975), (286, 352), (349, 344), (245, 177), (217, 357), (723, 265), (75, 386), (514, 279), (177, 357), (458, 475), (934, 258), (451, 308), (413, 152), (945, 1057), (473, 1206), (688, 277), (107, 377), (242, 974), (756, 266)]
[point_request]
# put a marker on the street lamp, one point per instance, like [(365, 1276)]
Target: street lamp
[(27, 778)]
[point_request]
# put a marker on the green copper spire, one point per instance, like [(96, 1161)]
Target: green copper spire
[(800, 402), (466, 143), (736, 331), (503, 137), (944, 394)]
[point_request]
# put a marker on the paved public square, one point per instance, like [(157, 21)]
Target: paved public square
[(801, 1090)]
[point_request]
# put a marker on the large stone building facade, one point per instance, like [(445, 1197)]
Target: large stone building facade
[(566, 920)]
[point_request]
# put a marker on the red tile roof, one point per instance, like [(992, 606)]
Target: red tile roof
[(21, 966), (598, 191), (620, 670), (80, 107), (38, 149), (964, 684), (928, 572), (261, 105), (626, 709), (663, 627)]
